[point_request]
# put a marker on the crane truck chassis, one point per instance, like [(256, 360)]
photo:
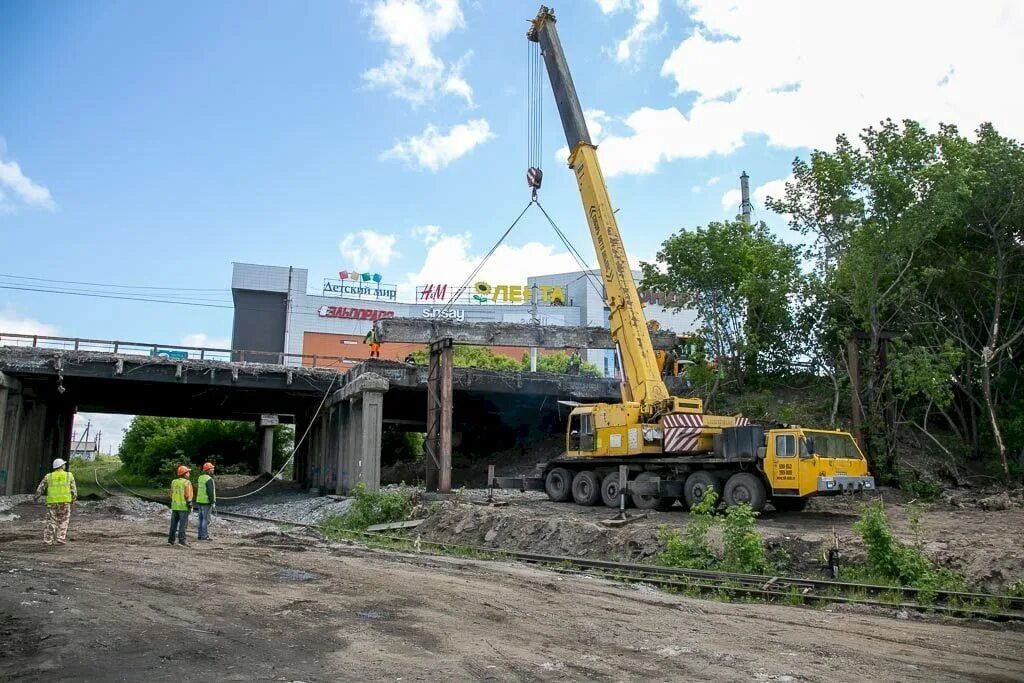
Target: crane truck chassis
[(670, 447), (749, 464)]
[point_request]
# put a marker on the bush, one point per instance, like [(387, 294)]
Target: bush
[(744, 550), (691, 550), (744, 546), (372, 507), (891, 561)]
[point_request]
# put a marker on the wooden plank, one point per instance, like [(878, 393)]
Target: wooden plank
[(407, 524)]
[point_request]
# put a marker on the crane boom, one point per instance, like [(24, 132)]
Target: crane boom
[(642, 378)]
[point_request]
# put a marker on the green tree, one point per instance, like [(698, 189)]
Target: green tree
[(741, 280), (152, 445), (919, 234)]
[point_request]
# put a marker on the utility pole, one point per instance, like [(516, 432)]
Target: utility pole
[(745, 207)]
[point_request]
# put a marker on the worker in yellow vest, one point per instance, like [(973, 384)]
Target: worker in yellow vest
[(181, 505), (59, 487), (206, 499)]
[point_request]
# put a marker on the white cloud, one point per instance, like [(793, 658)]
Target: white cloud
[(411, 28), (367, 249), (12, 323), (775, 189), (203, 340), (782, 69), (731, 202), (14, 181), (645, 17), (428, 233), (434, 150), (451, 258), (713, 180)]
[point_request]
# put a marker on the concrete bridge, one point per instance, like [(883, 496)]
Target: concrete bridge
[(344, 407)]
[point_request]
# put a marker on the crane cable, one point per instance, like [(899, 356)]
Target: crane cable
[(462, 288), (534, 117)]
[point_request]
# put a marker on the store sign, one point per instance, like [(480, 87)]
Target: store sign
[(517, 294), (360, 285), (349, 313), (453, 314), (432, 292)]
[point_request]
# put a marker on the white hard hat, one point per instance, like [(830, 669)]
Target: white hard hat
[(58, 462)]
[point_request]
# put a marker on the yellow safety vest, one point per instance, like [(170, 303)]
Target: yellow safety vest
[(201, 497), (178, 501), (58, 487)]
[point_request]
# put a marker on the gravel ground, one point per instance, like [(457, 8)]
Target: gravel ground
[(301, 510), (8, 502)]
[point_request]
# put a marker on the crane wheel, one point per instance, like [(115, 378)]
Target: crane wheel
[(610, 490), (651, 502), (697, 485), (586, 488), (744, 487), (558, 485)]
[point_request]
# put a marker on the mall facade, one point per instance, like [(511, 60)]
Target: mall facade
[(277, 310)]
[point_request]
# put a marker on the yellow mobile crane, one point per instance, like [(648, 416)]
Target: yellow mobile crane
[(674, 450)]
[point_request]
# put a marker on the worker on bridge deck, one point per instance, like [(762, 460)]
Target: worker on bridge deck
[(181, 505), (374, 342), (59, 487), (206, 500)]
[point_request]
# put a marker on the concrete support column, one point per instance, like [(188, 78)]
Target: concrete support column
[(266, 440), (356, 424), (370, 438), (10, 423)]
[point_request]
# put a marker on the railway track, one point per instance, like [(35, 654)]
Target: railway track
[(784, 589), (780, 589)]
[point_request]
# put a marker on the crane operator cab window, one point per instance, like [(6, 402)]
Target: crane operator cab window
[(581, 432), (785, 446)]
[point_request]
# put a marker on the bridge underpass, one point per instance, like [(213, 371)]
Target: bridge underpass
[(343, 410)]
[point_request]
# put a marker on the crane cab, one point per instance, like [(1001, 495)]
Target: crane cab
[(610, 430), (805, 462)]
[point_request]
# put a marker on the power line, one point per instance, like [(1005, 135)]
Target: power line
[(101, 284)]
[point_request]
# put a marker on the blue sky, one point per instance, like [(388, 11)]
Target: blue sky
[(152, 144)]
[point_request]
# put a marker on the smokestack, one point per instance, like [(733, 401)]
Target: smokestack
[(745, 194)]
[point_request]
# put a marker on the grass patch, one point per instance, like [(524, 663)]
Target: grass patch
[(369, 508), (108, 468)]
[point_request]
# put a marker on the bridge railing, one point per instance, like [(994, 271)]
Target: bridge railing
[(175, 351)]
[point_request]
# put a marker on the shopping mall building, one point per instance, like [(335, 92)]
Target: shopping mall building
[(278, 311)]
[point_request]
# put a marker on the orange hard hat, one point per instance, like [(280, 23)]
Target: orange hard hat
[(182, 470), (207, 467)]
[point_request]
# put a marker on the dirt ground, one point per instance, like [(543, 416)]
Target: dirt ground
[(260, 603), (983, 545)]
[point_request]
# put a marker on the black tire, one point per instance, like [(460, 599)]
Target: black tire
[(789, 504), (558, 485), (586, 488), (610, 490), (651, 502), (744, 487), (697, 485)]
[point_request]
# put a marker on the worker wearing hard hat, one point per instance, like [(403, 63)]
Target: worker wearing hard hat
[(181, 505), (59, 487), (206, 500)]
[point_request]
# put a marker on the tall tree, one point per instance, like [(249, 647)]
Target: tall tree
[(741, 280)]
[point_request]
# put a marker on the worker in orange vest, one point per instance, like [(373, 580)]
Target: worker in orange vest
[(181, 505), (59, 487)]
